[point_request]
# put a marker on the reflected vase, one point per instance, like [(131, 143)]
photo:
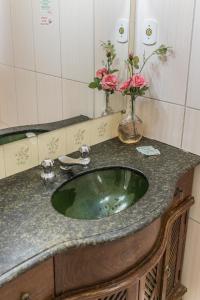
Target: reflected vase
[(108, 109), (130, 130)]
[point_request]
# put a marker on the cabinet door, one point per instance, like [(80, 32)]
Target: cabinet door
[(129, 293), (173, 259), (150, 284)]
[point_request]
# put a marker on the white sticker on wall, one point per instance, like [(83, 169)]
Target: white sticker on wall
[(46, 13)]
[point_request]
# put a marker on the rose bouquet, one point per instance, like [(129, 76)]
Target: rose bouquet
[(105, 78), (131, 129)]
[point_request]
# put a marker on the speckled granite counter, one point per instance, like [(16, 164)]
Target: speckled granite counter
[(31, 230)]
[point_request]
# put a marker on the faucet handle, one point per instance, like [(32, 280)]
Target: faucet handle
[(47, 173), (47, 164), (84, 150)]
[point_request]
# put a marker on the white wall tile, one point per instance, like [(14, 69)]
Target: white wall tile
[(77, 39), (193, 87), (195, 210), (107, 13), (162, 121), (191, 131), (26, 97), (105, 24), (191, 269), (77, 99), (22, 22), (49, 98), (6, 46), (8, 96), (47, 40), (2, 125), (168, 79)]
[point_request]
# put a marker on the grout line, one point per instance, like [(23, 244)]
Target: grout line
[(43, 73), (172, 103), (61, 66), (164, 101), (13, 61), (188, 73), (34, 71), (33, 33), (94, 54)]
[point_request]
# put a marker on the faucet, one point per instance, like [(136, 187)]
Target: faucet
[(48, 174), (84, 160)]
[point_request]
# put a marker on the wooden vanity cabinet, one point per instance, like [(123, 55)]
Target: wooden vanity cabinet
[(157, 276), (144, 266), (36, 284)]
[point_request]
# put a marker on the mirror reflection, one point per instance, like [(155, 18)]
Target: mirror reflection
[(49, 53)]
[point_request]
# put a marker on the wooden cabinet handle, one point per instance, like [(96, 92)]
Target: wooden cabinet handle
[(25, 296), (178, 192)]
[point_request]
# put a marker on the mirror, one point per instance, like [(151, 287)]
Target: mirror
[(49, 52)]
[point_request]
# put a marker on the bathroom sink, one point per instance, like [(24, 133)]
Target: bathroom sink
[(100, 193), (19, 135)]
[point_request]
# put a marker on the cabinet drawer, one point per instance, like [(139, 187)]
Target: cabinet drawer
[(183, 187), (36, 284)]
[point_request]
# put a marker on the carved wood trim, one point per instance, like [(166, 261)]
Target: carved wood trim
[(131, 277)]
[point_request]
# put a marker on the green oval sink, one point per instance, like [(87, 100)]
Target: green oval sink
[(100, 193)]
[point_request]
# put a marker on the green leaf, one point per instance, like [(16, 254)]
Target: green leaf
[(136, 60), (114, 71), (162, 50), (93, 85)]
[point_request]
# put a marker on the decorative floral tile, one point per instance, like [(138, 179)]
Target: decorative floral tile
[(51, 144), (77, 136), (100, 130), (20, 156), (2, 164)]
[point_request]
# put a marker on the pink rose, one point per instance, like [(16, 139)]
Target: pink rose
[(124, 86), (138, 81), (109, 82), (101, 73)]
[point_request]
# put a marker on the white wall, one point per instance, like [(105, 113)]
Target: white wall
[(171, 111), (45, 70)]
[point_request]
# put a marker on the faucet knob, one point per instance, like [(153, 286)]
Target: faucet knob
[(47, 173), (47, 163), (84, 150)]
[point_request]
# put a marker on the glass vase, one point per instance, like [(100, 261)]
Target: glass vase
[(108, 109), (130, 130)]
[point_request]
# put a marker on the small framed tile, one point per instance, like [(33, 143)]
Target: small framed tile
[(51, 144), (101, 130), (78, 135), (2, 163), (20, 156)]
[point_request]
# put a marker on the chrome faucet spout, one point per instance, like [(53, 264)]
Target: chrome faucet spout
[(68, 161)]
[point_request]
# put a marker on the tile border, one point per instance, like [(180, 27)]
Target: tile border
[(25, 154)]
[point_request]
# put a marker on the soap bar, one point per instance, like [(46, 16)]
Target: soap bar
[(148, 150)]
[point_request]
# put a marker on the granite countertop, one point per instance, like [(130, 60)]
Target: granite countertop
[(46, 126), (31, 230)]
